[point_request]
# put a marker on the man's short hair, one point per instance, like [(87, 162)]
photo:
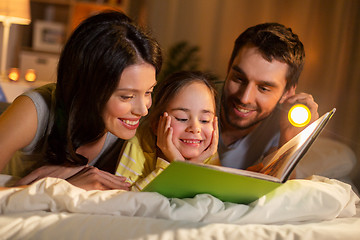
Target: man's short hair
[(274, 41)]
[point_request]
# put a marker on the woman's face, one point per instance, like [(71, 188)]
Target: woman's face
[(192, 112), (130, 101)]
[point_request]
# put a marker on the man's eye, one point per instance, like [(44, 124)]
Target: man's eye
[(239, 80), (264, 89), (181, 119)]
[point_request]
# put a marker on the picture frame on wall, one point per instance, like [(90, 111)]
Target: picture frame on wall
[(48, 36)]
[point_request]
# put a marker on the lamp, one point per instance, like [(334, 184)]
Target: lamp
[(11, 12)]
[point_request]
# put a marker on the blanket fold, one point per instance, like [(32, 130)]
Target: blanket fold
[(316, 199)]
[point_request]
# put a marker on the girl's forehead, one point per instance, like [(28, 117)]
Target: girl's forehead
[(195, 95)]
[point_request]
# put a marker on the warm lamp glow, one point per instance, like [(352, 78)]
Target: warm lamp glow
[(11, 12), (299, 115), (14, 74), (15, 11), (30, 75)]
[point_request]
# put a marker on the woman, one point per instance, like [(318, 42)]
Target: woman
[(106, 74)]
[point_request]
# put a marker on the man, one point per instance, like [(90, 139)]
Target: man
[(258, 92)]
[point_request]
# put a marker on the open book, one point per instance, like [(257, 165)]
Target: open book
[(186, 179)]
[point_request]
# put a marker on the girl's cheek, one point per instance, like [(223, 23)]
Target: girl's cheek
[(210, 131), (175, 123)]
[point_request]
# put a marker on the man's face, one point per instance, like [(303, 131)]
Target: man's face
[(252, 89)]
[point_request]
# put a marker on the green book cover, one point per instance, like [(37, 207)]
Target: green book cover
[(183, 179)]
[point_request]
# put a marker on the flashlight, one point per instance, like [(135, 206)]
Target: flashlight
[(299, 115)]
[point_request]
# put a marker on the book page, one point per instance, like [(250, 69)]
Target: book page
[(239, 172), (280, 163)]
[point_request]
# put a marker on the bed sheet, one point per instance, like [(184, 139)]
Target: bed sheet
[(47, 225), (319, 208)]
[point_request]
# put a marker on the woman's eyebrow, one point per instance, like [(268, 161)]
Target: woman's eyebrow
[(133, 89), (127, 89)]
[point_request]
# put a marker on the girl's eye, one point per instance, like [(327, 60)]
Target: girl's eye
[(181, 119), (204, 121)]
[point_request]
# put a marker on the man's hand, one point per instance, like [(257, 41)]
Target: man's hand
[(164, 139), (288, 131)]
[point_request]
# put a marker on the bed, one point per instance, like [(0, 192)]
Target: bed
[(319, 207), (315, 208)]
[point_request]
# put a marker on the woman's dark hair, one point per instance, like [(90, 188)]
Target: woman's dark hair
[(274, 41), (89, 69)]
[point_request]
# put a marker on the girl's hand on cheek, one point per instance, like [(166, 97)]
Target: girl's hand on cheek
[(212, 149), (164, 139)]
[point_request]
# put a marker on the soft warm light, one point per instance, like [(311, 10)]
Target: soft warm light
[(15, 11), (299, 115), (30, 75), (14, 74), (11, 12)]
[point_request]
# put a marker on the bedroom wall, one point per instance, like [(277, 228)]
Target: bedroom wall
[(329, 30)]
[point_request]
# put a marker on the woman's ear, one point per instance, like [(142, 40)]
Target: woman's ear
[(288, 93)]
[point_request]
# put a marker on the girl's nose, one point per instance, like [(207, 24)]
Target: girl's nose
[(194, 127)]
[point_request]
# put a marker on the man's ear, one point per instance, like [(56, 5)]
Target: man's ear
[(288, 93)]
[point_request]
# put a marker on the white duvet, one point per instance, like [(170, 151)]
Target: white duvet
[(297, 200), (51, 208)]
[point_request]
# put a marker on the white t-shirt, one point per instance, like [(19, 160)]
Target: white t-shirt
[(247, 151), (32, 156)]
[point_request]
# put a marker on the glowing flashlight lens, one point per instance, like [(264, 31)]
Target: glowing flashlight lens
[(299, 115)]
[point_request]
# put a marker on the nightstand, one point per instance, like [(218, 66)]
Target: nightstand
[(10, 90)]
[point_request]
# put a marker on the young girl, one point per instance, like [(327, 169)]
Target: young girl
[(106, 74), (182, 125)]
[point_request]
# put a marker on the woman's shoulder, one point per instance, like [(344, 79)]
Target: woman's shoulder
[(43, 99), (43, 94)]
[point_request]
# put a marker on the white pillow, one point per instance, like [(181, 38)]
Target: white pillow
[(329, 158)]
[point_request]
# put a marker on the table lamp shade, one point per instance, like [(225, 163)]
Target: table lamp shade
[(15, 11), (11, 12)]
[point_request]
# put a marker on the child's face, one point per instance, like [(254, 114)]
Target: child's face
[(192, 113)]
